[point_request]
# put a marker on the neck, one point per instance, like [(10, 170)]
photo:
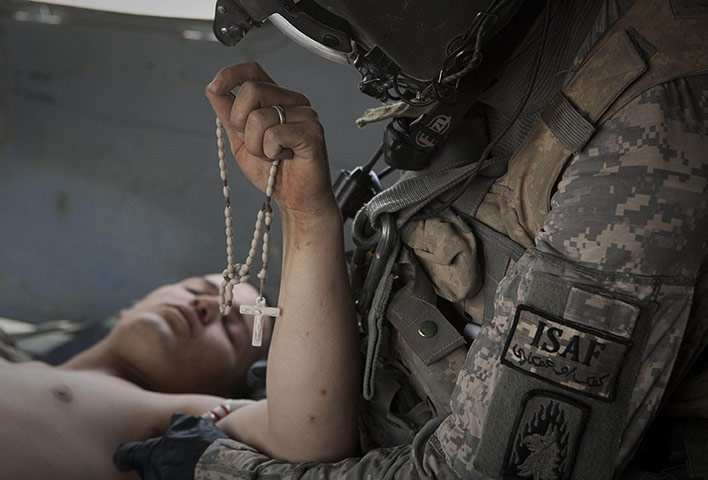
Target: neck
[(98, 358)]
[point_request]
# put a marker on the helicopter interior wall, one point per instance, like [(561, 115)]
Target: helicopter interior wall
[(109, 183)]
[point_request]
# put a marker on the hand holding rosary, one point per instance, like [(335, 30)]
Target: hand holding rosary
[(236, 273)]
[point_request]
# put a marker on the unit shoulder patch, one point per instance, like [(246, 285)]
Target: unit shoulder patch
[(572, 356), (547, 435)]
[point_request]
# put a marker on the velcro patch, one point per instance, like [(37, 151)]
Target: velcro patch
[(601, 312), (564, 353), (546, 438)]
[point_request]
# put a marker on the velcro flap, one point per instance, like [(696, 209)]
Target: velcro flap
[(600, 311), (422, 326), (688, 8)]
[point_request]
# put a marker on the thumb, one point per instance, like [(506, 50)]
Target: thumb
[(219, 91), (221, 104)]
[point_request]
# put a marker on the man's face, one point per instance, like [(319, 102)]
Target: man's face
[(175, 339)]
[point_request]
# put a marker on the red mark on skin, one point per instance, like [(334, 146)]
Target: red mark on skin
[(323, 392)]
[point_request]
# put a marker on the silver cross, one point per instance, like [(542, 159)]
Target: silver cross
[(258, 311)]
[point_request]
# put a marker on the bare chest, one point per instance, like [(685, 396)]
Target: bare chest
[(60, 424)]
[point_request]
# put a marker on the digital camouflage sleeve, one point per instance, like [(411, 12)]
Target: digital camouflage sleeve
[(590, 327)]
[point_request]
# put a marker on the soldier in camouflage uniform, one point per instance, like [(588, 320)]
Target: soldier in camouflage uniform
[(601, 316)]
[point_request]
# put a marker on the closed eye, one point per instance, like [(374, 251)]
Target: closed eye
[(201, 286), (214, 287)]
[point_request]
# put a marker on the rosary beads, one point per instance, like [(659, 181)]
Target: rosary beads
[(236, 273)]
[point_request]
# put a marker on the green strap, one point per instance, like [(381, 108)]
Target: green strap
[(375, 324), (413, 313)]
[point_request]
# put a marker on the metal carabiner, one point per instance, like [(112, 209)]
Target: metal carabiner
[(387, 240)]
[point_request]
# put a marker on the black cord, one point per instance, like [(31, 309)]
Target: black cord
[(383, 173), (374, 159), (429, 92), (423, 102)]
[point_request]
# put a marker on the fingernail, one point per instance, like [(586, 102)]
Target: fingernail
[(215, 85)]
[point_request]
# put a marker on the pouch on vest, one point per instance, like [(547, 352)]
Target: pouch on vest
[(427, 345), (423, 354)]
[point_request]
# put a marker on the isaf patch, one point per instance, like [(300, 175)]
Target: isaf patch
[(567, 354), (548, 431)]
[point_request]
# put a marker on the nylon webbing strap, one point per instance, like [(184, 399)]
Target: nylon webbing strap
[(421, 324), (413, 192), (470, 200), (452, 165), (688, 9), (571, 128), (375, 320)]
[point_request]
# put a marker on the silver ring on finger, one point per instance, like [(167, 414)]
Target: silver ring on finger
[(281, 113)]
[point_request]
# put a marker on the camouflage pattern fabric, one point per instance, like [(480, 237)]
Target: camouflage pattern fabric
[(631, 213), (656, 226), (629, 218), (448, 255), (229, 460)]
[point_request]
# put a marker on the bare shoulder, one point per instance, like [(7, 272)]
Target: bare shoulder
[(64, 424), (60, 423)]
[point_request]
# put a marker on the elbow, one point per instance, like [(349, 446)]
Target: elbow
[(320, 440)]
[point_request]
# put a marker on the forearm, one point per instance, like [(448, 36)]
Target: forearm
[(313, 376), (313, 363), (313, 373)]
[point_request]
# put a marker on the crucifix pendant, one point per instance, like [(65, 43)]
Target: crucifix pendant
[(258, 311)]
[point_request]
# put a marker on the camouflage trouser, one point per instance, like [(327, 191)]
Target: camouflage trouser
[(587, 328)]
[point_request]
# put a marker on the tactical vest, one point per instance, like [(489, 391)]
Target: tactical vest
[(461, 255)]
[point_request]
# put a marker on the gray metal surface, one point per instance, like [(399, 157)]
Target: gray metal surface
[(109, 183)]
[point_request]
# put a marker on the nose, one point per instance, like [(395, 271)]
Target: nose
[(207, 308)]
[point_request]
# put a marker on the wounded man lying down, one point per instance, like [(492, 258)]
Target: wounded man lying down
[(65, 422)]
